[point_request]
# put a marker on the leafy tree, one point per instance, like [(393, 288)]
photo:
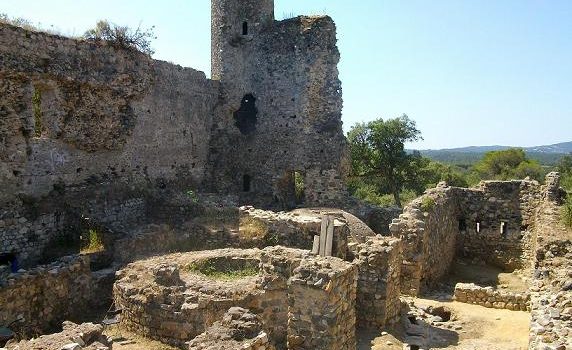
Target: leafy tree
[(378, 154), (507, 164), (435, 172), (564, 165), (122, 36)]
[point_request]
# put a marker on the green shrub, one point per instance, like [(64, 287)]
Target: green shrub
[(93, 242), (122, 36), (427, 203), (567, 212)]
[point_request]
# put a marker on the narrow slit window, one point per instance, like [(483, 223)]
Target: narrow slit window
[(246, 183), (244, 28), (478, 228), (462, 225), (503, 228)]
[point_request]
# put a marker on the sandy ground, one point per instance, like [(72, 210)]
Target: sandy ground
[(482, 328), (125, 340)]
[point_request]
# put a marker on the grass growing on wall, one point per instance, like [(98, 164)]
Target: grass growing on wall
[(94, 242)]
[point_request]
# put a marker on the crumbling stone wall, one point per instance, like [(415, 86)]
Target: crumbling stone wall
[(491, 297), (290, 68), (442, 224), (84, 123), (73, 336), (378, 290), (45, 296), (492, 204), (165, 299), (551, 291), (321, 305), (296, 229), (429, 229), (238, 329)]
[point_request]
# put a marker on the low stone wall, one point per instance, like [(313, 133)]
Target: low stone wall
[(379, 265), (296, 229), (165, 299), (238, 329), (169, 299), (321, 305), (492, 298), (73, 337), (45, 296)]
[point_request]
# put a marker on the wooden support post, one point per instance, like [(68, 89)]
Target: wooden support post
[(316, 246), (323, 234), (329, 236)]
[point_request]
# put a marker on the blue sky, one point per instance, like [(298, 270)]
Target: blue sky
[(468, 72)]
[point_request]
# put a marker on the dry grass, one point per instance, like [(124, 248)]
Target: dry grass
[(251, 228)]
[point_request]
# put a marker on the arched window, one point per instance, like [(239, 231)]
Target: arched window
[(246, 186), (244, 28)]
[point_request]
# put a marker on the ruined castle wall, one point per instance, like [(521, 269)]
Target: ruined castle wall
[(378, 290), (442, 224), (492, 204), (551, 290), (428, 228), (45, 296), (76, 116), (290, 68), (321, 305)]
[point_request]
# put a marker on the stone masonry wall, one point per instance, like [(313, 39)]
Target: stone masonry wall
[(551, 291), (511, 203), (428, 228), (238, 329), (289, 69), (442, 224), (491, 297), (45, 296), (378, 290), (80, 120), (295, 229), (321, 305)]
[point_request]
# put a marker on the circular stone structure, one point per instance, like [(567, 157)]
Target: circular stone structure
[(174, 298)]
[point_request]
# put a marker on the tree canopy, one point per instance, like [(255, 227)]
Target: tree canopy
[(378, 153), (506, 165)]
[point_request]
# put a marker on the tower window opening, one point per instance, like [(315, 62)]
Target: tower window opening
[(462, 225), (244, 28), (503, 228), (478, 228), (246, 183)]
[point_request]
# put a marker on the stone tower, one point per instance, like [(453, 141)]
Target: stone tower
[(235, 24), (279, 115)]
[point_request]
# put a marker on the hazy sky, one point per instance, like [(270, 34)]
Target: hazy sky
[(468, 72)]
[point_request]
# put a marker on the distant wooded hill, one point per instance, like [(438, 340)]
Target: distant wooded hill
[(546, 155)]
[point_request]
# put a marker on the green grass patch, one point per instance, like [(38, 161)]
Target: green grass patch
[(219, 269), (93, 242), (427, 203)]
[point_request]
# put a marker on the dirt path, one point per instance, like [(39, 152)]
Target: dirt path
[(475, 328)]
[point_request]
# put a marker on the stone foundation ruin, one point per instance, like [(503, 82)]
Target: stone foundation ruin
[(188, 186)]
